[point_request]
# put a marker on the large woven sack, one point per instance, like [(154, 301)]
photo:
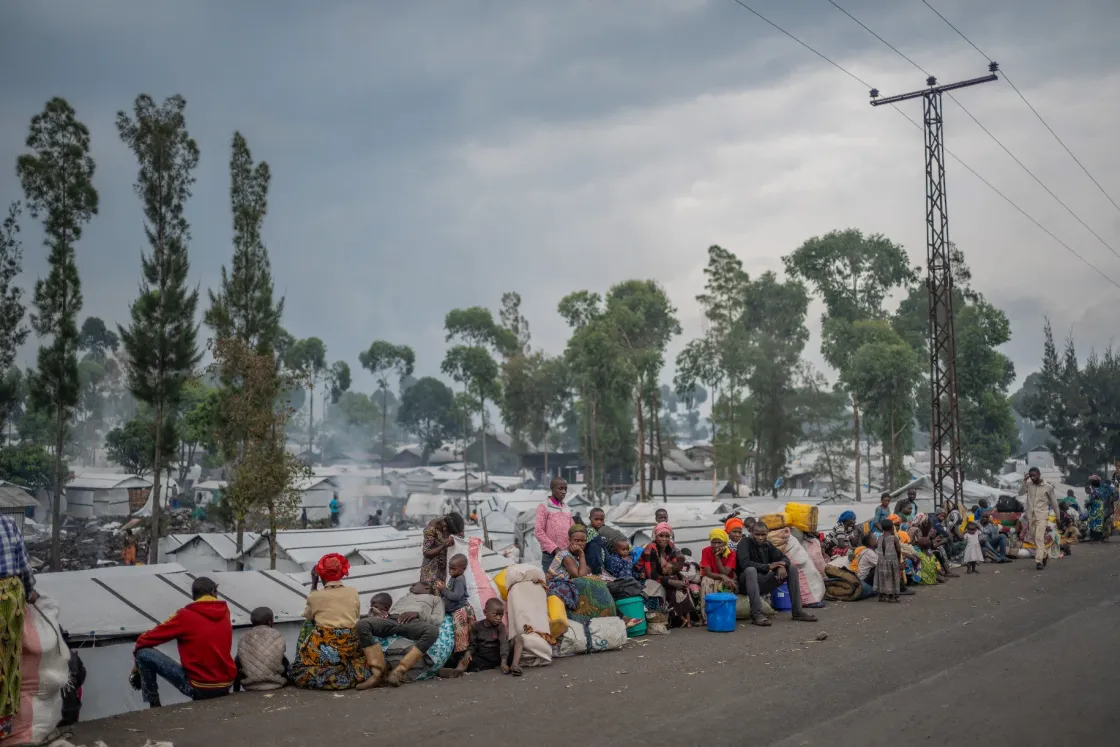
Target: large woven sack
[(46, 668), (841, 585), (743, 607)]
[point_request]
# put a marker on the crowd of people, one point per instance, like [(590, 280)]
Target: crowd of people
[(432, 630)]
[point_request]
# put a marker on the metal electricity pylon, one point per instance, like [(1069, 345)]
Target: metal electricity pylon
[(945, 426)]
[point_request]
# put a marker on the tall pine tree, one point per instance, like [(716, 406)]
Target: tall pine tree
[(162, 340), (243, 307), (57, 179)]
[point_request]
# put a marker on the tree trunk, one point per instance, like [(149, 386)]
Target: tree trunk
[(385, 428), (311, 424), (585, 434), (157, 503), (546, 473), (715, 452), (649, 439), (482, 440), (855, 420), (641, 448), (660, 455), (869, 463), (595, 478), (56, 509), (272, 527)]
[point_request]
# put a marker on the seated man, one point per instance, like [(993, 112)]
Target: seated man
[(762, 568), (415, 616), (992, 541), (204, 634)]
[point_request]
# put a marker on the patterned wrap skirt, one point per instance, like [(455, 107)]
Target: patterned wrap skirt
[(328, 659)]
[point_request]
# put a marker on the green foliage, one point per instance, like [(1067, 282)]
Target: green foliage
[(827, 424), (384, 359), (428, 410), (536, 393), (13, 393), (338, 380), (243, 307), (307, 360), (514, 323), (133, 445), (96, 339), (197, 418), (57, 180), (30, 466), (13, 332), (471, 364)]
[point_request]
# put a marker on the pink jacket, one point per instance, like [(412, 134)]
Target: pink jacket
[(551, 527)]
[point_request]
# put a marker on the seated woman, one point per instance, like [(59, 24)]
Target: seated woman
[(924, 528), (845, 535), (571, 580), (734, 528), (328, 655), (661, 563), (717, 568)]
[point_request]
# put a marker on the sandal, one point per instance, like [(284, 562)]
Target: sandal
[(761, 621), (515, 671)]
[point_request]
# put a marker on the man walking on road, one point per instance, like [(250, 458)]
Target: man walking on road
[(1039, 501)]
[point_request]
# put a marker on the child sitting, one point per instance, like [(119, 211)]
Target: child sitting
[(455, 591), (261, 663), (690, 572), (489, 646)]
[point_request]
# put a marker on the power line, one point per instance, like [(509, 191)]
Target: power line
[(955, 157), (1029, 106), (986, 131)]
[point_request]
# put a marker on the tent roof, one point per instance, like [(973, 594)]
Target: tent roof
[(124, 601), (15, 497), (107, 481), (223, 543)]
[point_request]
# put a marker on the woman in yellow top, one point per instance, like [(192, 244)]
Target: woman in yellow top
[(328, 656)]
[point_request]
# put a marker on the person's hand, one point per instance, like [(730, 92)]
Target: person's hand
[(406, 617), (33, 597), (505, 668), (449, 542), (782, 573), (578, 552), (438, 587)]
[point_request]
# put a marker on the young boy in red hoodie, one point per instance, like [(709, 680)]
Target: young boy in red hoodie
[(205, 636)]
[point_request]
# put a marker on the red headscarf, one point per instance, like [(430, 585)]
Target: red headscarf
[(332, 567)]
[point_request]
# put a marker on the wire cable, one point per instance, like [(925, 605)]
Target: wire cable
[(986, 132), (953, 155), (1029, 106)]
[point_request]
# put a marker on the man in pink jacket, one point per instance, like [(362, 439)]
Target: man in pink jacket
[(553, 521)]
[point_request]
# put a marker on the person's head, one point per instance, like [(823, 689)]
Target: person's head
[(420, 587), (377, 513), (1069, 494), (381, 602), (848, 519), (887, 525), (1095, 481), (622, 547), (687, 552), (332, 568), (558, 489), (942, 514), (986, 519), (577, 537), (984, 503), (759, 532), (1035, 475), (598, 517), (457, 566), (734, 528), (911, 495), (748, 523), (973, 527), (494, 610), (885, 500), (870, 541), (661, 515), (904, 537), (663, 534), (261, 616), (203, 587), (895, 519), (719, 539), (454, 523)]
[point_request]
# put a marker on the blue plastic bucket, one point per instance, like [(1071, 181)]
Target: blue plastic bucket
[(779, 599), (721, 612), (633, 608)]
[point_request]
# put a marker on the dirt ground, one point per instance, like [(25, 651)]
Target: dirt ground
[(1010, 656)]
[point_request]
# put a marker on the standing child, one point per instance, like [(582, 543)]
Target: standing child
[(888, 571), (973, 554), (457, 604), (261, 661)]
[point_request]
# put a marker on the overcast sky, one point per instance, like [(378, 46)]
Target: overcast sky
[(433, 154)]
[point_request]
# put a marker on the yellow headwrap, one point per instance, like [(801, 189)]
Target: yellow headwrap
[(719, 534)]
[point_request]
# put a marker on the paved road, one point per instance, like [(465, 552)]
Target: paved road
[(1009, 656)]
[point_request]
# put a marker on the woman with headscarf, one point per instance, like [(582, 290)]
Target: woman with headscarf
[(717, 567), (661, 562), (328, 655), (734, 528), (439, 537), (1099, 521), (924, 528), (569, 578), (844, 536)]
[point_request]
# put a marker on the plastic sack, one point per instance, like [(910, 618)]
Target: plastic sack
[(778, 538), (527, 613), (557, 616), (812, 584), (480, 589), (573, 642), (743, 607), (500, 583), (812, 546), (803, 516), (46, 669), (606, 634)]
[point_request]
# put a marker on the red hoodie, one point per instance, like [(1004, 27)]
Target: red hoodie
[(205, 637)]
